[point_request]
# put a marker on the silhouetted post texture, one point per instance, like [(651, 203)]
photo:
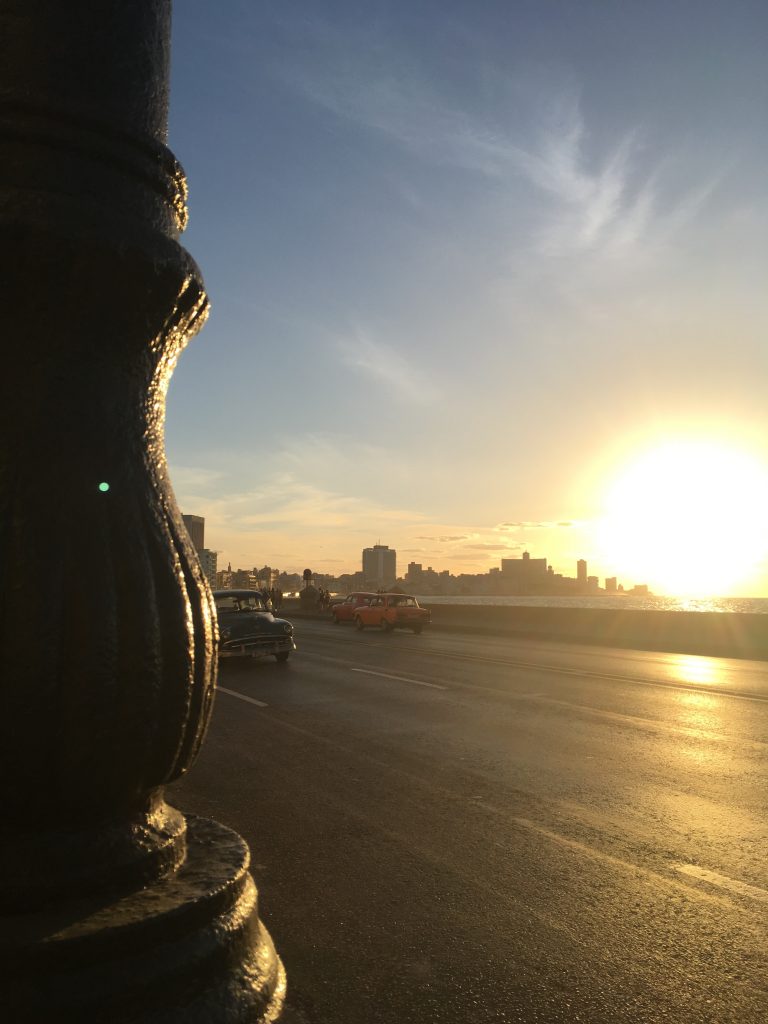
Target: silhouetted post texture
[(115, 907)]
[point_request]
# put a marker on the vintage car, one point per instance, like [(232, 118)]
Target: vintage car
[(392, 611), (344, 610), (248, 629)]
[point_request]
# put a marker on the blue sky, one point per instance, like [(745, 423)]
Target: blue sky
[(465, 260)]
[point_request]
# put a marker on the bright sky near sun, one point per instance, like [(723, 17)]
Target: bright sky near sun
[(485, 277)]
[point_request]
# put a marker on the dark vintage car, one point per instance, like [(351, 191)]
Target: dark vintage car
[(248, 629)]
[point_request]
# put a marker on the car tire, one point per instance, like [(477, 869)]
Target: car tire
[(335, 619), (417, 629), (386, 626), (359, 625), (282, 656)]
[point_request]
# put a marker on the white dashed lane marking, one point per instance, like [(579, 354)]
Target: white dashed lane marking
[(400, 679), (722, 881), (241, 696)]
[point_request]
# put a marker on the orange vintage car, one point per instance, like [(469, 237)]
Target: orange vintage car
[(392, 611), (344, 611)]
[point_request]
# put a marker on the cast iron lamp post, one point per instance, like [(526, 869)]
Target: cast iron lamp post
[(115, 906)]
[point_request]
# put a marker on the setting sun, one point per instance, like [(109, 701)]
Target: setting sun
[(688, 517)]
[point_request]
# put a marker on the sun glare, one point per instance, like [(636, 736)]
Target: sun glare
[(688, 518)]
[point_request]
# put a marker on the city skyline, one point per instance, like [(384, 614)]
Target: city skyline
[(486, 564), (469, 267), (378, 570)]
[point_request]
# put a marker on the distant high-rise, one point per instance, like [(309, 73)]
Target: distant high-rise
[(414, 575), (244, 579), (524, 575), (196, 529), (379, 566), (581, 572), (209, 561), (525, 566)]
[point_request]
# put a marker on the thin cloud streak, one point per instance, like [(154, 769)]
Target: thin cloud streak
[(608, 210), (534, 525), (319, 525), (385, 365)]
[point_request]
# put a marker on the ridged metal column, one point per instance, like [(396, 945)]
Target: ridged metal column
[(115, 906)]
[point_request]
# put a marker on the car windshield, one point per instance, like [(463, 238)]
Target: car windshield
[(239, 603), (406, 602)]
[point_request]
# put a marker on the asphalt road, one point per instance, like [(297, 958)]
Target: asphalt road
[(460, 830)]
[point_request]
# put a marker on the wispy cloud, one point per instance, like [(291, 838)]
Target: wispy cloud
[(385, 365), (612, 208), (492, 547), (194, 479), (446, 539), (533, 525), (601, 200), (285, 514), (285, 501), (595, 208), (289, 522)]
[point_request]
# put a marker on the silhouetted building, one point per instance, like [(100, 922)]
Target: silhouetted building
[(266, 575), (581, 572), (242, 579), (611, 586), (379, 566), (196, 529), (224, 579), (209, 560), (348, 582), (414, 574), (522, 575)]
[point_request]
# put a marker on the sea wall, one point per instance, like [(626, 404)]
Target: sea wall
[(726, 634), (723, 634)]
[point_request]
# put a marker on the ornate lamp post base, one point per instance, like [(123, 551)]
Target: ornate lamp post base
[(187, 949)]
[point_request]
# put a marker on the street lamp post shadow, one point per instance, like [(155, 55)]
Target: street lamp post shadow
[(116, 907)]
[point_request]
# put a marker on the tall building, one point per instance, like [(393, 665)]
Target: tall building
[(414, 575), (209, 561), (379, 566), (522, 575), (196, 529), (243, 579), (224, 578), (581, 572)]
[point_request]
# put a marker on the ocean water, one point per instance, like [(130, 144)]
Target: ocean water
[(758, 605)]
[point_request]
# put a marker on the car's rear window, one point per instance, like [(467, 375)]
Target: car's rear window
[(230, 603)]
